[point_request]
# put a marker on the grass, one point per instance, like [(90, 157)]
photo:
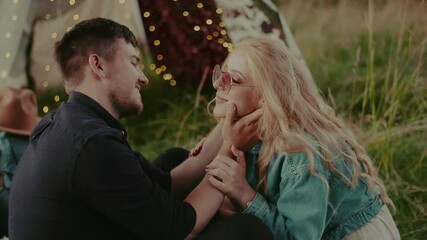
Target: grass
[(368, 58)]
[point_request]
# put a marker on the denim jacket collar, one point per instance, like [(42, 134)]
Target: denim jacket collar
[(255, 149)]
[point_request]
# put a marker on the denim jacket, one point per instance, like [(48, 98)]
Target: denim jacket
[(297, 204)]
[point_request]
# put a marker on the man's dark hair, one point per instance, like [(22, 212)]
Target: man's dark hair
[(97, 35)]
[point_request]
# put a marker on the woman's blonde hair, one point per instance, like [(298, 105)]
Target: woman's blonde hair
[(296, 118)]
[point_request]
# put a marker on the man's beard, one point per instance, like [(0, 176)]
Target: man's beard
[(125, 108)]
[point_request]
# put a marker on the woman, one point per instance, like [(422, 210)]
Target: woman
[(307, 177)]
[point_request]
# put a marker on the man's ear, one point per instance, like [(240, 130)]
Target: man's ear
[(96, 65)]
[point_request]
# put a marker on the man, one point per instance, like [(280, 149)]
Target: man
[(79, 178)]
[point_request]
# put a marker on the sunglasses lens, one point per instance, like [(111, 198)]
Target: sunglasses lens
[(226, 78), (221, 79)]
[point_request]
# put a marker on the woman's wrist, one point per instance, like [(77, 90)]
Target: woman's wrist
[(247, 199), (226, 149)]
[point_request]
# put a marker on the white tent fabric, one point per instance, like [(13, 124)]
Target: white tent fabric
[(247, 23), (13, 29), (46, 33), (45, 21)]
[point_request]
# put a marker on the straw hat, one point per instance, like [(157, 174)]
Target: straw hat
[(18, 110)]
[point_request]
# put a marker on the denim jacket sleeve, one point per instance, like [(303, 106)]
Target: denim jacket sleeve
[(299, 209)]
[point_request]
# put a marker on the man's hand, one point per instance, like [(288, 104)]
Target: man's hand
[(226, 209), (241, 133)]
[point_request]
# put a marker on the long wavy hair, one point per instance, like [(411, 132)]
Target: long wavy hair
[(297, 119)]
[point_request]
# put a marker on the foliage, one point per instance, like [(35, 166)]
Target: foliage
[(369, 61)]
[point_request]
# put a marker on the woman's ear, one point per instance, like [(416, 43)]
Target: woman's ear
[(96, 66)]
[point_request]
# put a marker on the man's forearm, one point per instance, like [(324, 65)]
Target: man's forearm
[(187, 175), (206, 200)]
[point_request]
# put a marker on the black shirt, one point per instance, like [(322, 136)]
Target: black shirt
[(79, 179)]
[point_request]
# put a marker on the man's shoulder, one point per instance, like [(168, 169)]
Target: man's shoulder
[(82, 121)]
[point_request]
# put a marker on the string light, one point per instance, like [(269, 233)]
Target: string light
[(210, 35), (167, 76), (217, 33)]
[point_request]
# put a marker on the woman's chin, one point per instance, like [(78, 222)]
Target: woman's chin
[(219, 112)]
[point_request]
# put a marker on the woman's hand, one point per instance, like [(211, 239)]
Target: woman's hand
[(229, 176), (241, 133)]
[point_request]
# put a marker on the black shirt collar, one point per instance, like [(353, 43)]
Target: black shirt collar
[(80, 98)]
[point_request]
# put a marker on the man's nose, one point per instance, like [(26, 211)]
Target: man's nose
[(143, 79)]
